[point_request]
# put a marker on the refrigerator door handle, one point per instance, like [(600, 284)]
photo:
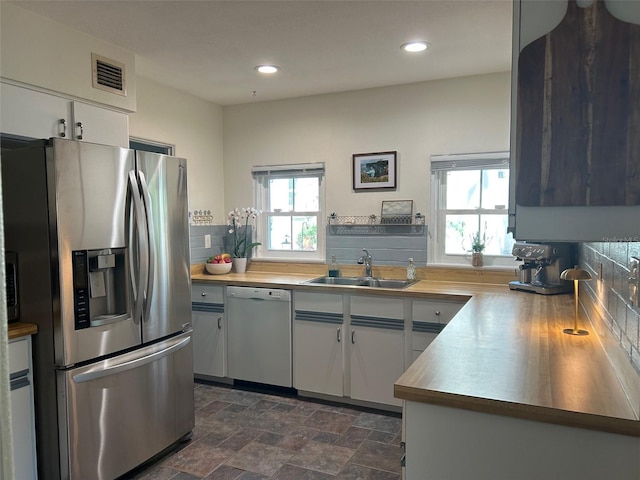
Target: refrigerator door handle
[(143, 250), (107, 319), (158, 351), (151, 242)]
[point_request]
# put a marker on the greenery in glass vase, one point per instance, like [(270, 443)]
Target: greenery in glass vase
[(238, 221)]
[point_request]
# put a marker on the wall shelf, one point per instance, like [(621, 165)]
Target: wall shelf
[(373, 220), (365, 226)]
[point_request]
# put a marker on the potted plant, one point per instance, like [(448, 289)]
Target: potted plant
[(238, 221), (478, 243)]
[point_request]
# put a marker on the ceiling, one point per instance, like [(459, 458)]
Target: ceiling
[(209, 48)]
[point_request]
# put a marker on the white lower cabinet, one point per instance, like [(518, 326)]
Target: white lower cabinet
[(22, 409), (318, 353), (208, 322), (377, 348), (455, 443), (429, 317)]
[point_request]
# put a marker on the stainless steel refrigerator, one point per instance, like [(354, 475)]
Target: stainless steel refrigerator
[(101, 235)]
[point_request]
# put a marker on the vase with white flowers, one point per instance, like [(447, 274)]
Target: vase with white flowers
[(238, 222)]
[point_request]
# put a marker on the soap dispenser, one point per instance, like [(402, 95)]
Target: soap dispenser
[(334, 268), (411, 270)]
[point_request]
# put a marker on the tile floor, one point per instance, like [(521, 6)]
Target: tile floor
[(246, 435)]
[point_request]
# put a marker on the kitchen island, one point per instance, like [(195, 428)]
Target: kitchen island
[(504, 387)]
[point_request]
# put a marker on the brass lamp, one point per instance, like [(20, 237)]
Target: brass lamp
[(576, 274)]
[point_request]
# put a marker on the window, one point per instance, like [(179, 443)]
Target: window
[(471, 196), (150, 146), (291, 198)]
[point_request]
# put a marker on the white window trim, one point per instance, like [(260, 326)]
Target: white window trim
[(440, 163), (260, 198)]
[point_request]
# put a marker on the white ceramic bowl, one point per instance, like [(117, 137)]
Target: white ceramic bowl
[(218, 268)]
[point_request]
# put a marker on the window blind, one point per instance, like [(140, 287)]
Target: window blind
[(469, 161), (290, 170)]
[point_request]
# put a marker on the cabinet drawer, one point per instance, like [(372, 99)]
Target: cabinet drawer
[(318, 302), (18, 355), (421, 340), (440, 311), (381, 307), (203, 293)]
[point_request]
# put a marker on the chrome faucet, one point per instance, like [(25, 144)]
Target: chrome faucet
[(366, 259)]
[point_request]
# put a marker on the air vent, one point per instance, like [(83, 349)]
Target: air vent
[(108, 75)]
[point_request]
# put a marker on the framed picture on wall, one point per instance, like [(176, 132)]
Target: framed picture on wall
[(374, 170)]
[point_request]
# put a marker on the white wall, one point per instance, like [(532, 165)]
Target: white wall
[(47, 54), (460, 115), (194, 126)]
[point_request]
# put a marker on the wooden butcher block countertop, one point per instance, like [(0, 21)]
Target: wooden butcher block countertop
[(503, 353), (20, 329)]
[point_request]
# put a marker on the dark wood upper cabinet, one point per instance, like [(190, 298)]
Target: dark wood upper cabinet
[(577, 114)]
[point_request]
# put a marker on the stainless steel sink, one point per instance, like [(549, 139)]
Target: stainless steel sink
[(336, 280), (386, 283), (362, 282)]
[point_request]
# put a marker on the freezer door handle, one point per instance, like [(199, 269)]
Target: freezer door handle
[(107, 319), (151, 242), (139, 285), (128, 363)]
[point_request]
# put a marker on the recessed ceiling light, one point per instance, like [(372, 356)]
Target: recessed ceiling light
[(267, 68), (415, 47)]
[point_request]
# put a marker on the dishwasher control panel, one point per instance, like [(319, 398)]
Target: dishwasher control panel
[(255, 293)]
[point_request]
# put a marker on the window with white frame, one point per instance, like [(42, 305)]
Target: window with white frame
[(471, 199), (291, 198)]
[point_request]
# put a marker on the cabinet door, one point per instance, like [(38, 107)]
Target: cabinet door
[(318, 355), (28, 113), (377, 361), (22, 423), (578, 107), (208, 342), (100, 125), (22, 411)]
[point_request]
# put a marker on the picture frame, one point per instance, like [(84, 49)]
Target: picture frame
[(396, 212), (374, 171)]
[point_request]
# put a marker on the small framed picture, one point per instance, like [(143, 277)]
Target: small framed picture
[(396, 211), (374, 170)]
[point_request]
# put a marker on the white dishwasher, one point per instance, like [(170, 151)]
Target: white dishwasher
[(259, 335)]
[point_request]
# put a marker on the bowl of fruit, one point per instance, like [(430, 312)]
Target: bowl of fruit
[(218, 264)]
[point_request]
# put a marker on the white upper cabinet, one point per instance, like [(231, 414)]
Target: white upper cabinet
[(28, 113), (33, 114), (99, 125)]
